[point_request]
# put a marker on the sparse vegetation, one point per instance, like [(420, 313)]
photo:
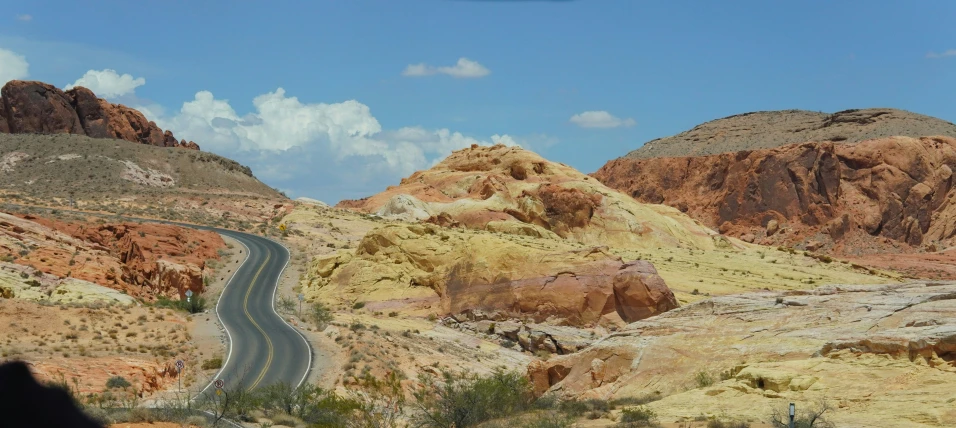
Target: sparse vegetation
[(320, 314), (117, 382), (639, 416), (212, 363), (463, 399), (807, 415)]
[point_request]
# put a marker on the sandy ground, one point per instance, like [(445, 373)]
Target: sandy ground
[(86, 345)]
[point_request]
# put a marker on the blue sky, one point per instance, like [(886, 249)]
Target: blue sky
[(359, 122)]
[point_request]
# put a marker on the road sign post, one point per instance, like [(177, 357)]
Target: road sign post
[(301, 298), (180, 365), (792, 413), (189, 295)]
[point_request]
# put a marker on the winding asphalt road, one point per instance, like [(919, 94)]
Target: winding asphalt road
[(263, 349)]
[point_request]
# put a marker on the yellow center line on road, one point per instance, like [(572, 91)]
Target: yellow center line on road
[(245, 307)]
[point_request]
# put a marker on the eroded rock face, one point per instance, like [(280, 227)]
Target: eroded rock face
[(502, 276), (900, 188), (36, 107), (142, 260), (508, 189), (845, 343)]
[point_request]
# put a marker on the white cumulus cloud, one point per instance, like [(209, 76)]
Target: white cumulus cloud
[(949, 52), (12, 66), (108, 83), (327, 151), (464, 68), (600, 119)]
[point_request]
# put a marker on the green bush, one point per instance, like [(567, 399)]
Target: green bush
[(593, 408), (117, 382), (212, 363), (195, 305), (703, 379), (319, 314), (638, 416), (358, 305), (463, 399)]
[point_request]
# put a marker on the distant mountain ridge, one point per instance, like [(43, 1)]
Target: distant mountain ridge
[(771, 129), (31, 107)]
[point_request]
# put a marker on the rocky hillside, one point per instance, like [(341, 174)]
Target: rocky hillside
[(514, 191), (853, 199), (29, 107), (501, 276), (881, 356), (136, 179), (770, 129), (140, 260)]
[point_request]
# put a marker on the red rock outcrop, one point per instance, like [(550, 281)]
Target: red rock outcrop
[(580, 293), (899, 188), (460, 271), (37, 107), (145, 260)]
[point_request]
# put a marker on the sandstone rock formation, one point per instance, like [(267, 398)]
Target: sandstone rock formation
[(36, 107), (770, 129), (899, 188), (500, 275), (891, 348), (143, 260), (511, 190)]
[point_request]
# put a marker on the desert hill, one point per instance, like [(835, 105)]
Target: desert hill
[(134, 179), (489, 224), (56, 144), (854, 199), (30, 107), (770, 129), (515, 191)]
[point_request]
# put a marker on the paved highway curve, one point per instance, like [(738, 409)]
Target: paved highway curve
[(263, 349)]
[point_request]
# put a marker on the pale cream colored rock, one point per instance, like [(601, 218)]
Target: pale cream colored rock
[(869, 350)]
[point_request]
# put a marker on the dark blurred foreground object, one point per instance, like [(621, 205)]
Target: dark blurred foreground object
[(26, 403)]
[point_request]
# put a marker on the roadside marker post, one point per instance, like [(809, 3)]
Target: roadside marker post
[(301, 298), (792, 413), (189, 295), (180, 365)]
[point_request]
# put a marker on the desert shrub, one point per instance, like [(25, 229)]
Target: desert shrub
[(358, 305), (286, 304), (320, 314), (639, 416), (703, 379), (212, 363), (717, 423), (591, 408), (195, 305), (807, 416), (463, 399), (117, 382)]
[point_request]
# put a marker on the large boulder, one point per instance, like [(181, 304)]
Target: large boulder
[(36, 107)]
